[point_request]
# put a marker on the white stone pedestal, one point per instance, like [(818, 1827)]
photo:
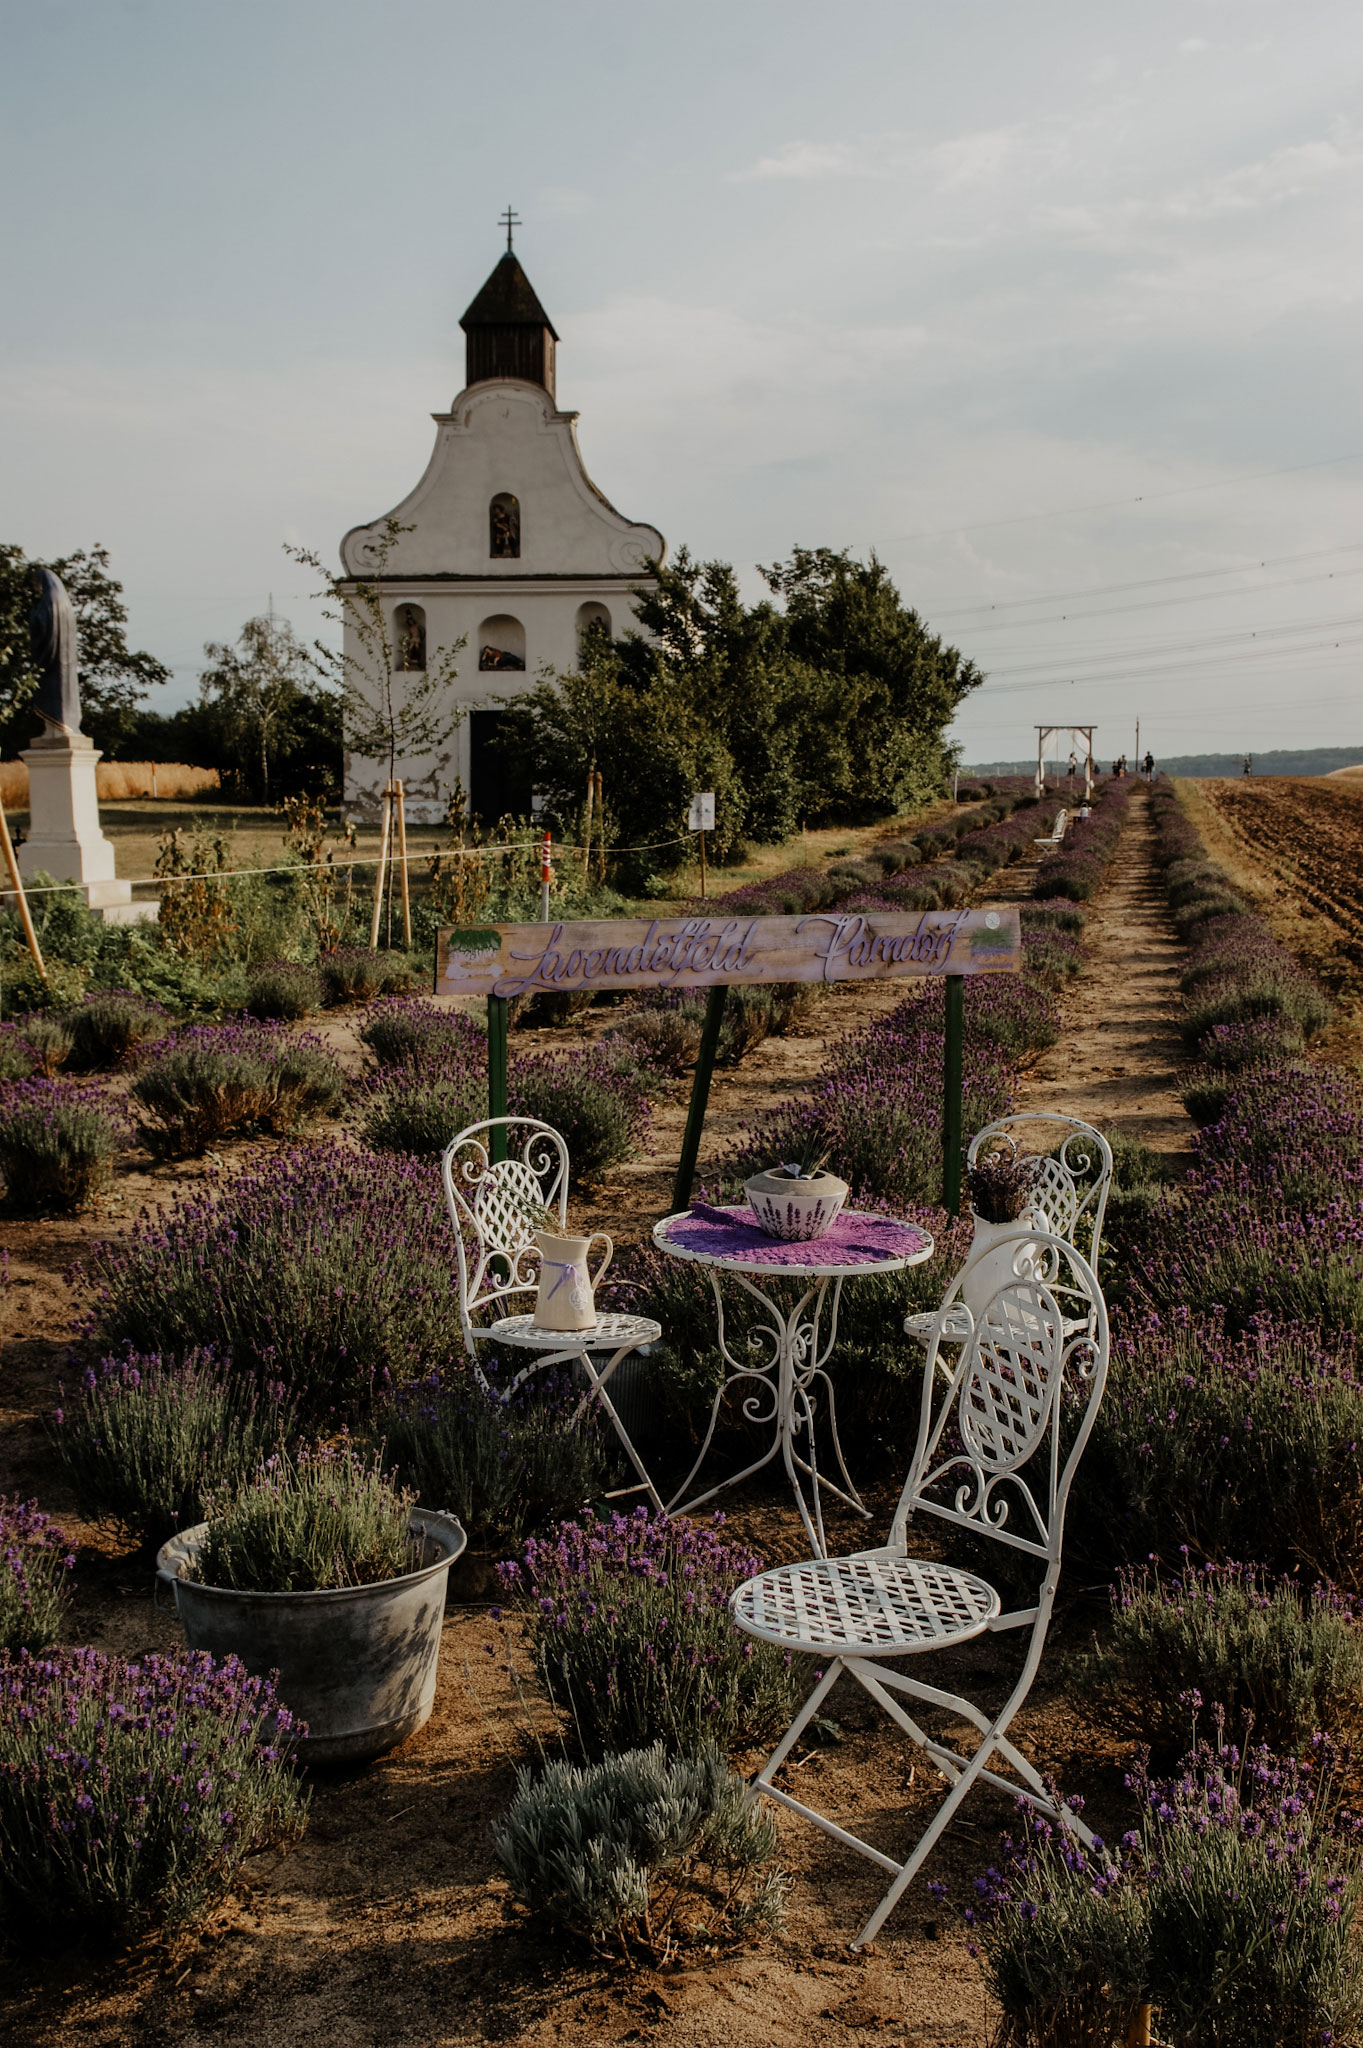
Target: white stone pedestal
[(64, 835)]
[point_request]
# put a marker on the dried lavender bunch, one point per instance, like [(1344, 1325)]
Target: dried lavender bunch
[(131, 1790), (1002, 1185), (34, 1559), (328, 1518)]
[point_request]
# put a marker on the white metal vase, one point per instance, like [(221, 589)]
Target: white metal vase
[(566, 1299), (992, 1264), (796, 1210)]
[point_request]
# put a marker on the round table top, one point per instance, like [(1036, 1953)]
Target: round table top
[(857, 1243)]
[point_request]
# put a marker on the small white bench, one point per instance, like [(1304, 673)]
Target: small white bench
[(1062, 819)]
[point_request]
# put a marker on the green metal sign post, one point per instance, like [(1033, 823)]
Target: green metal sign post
[(700, 1097), (953, 1083), (497, 1026)]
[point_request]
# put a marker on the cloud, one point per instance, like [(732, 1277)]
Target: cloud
[(808, 162), (1193, 46), (1285, 174)]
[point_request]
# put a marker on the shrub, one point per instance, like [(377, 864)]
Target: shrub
[(1260, 992), (628, 1624), (352, 974), (48, 1039), (215, 1081), (1061, 1931), (661, 1041), (17, 1056), (643, 1851), (1290, 1657), (1232, 1446), (109, 1024), (503, 1467), (327, 1518), (284, 990), (148, 1439), (132, 1790), (1056, 913), (1230, 1047), (405, 1030), (600, 1112), (58, 1140), (330, 1270), (1252, 1892), (412, 1109), (1230, 1908), (34, 1560)]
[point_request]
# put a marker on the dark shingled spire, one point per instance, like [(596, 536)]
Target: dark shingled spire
[(508, 333)]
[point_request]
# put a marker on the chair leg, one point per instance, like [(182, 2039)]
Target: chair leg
[(797, 1727), (597, 1382)]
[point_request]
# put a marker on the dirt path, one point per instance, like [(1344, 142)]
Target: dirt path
[(1119, 1061)]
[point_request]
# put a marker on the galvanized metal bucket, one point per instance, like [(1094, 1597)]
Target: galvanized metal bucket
[(357, 1663)]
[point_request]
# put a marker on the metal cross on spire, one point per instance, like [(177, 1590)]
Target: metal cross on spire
[(509, 220)]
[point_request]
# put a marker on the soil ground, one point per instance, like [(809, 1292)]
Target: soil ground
[(1295, 846), (390, 1923)]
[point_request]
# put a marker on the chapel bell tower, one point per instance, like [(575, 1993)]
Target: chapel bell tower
[(507, 331)]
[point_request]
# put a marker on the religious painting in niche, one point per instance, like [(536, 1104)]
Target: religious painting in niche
[(501, 643), (504, 522), (409, 631)]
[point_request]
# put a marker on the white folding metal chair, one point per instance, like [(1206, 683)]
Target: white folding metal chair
[(1074, 1179), (997, 1449), (498, 1261)]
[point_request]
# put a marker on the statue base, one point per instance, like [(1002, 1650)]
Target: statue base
[(64, 836)]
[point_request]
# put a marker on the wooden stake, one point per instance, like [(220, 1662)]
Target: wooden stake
[(587, 831), (383, 863), (1138, 2034), (700, 1096), (600, 818), (402, 869), (702, 867), (17, 882)]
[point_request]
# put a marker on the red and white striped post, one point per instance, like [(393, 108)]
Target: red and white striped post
[(546, 877)]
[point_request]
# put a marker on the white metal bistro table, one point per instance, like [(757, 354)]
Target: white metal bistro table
[(787, 1351)]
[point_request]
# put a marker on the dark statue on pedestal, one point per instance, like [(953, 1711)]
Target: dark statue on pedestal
[(52, 626)]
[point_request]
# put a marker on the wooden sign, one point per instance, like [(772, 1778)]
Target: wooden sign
[(705, 952)]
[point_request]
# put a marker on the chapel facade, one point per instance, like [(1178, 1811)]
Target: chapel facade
[(511, 547)]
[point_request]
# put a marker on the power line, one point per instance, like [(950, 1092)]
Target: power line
[(1145, 583), (1152, 604), (1117, 504)]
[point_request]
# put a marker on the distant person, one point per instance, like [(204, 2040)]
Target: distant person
[(1148, 764), (1073, 765), (1249, 765)]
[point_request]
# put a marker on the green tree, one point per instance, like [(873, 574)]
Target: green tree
[(390, 713), (258, 688), (114, 678)]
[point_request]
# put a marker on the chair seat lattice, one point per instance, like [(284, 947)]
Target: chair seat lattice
[(607, 1333), (868, 1606)]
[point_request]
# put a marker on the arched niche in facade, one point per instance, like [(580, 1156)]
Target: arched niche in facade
[(592, 613), (501, 642), (504, 528), (409, 636)]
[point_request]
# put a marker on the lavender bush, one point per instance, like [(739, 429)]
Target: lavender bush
[(107, 1026), (414, 1110), (504, 1467), (352, 974), (600, 1111), (1235, 1446), (215, 1081), (58, 1142), (47, 1038), (643, 1854), (328, 1517), (132, 1790), (34, 1559), (330, 1270), (1288, 1655), (283, 990), (145, 1440), (408, 1031), (628, 1626)]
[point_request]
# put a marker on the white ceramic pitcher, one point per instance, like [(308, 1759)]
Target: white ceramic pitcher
[(566, 1300)]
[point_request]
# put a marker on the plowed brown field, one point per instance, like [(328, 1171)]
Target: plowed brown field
[(1302, 842)]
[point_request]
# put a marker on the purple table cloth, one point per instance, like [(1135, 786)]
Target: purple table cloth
[(854, 1240)]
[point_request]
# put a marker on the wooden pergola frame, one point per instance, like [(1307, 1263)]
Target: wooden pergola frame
[(1045, 732)]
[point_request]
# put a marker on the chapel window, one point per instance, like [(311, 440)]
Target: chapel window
[(501, 643)]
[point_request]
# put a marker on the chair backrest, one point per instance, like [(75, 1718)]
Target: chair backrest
[(1062, 819), (1002, 1428), (487, 1201), (1074, 1178)]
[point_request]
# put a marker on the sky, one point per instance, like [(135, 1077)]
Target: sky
[(1057, 307)]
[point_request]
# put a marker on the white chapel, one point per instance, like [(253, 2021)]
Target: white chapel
[(512, 547)]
